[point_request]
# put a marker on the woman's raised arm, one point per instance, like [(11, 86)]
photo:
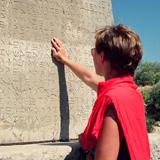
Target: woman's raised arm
[(86, 75)]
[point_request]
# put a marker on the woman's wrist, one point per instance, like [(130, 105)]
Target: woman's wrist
[(64, 60)]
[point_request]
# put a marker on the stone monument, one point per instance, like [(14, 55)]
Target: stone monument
[(41, 99)]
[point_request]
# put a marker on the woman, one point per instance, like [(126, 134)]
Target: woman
[(116, 128)]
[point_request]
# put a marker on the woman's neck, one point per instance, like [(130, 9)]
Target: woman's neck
[(112, 74)]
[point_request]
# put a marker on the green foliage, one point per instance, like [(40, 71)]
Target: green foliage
[(147, 73), (150, 122), (151, 96), (146, 93), (157, 77), (155, 96)]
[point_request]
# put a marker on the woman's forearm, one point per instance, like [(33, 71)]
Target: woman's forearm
[(86, 75)]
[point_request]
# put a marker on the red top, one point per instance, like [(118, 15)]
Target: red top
[(129, 105)]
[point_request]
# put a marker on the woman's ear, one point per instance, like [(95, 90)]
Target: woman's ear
[(102, 57)]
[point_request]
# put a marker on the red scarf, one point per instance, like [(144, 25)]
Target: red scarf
[(129, 105)]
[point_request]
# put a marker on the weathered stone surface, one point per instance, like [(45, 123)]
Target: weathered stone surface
[(157, 124), (154, 139), (61, 151), (39, 98), (49, 151), (155, 129)]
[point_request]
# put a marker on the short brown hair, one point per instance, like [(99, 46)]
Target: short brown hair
[(121, 46)]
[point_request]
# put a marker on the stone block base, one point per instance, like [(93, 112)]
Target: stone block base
[(61, 150), (48, 151)]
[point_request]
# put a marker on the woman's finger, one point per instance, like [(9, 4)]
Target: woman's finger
[(58, 42), (55, 44), (54, 52)]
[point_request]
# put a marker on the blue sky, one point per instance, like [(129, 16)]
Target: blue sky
[(143, 16)]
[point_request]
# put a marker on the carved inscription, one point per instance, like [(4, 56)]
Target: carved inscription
[(38, 95)]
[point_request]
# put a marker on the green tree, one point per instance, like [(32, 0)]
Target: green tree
[(155, 96), (146, 93), (152, 100), (147, 73), (147, 78), (157, 77)]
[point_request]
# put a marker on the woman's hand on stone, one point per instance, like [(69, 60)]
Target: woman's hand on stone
[(58, 50)]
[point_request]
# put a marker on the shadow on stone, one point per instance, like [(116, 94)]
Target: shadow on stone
[(63, 100), (76, 154)]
